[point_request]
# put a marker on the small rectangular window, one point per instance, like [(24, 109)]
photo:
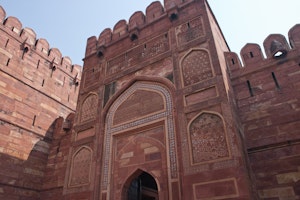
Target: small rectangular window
[(251, 54), (33, 121), (250, 88), (6, 43), (8, 60), (232, 60), (38, 64), (188, 25), (275, 80)]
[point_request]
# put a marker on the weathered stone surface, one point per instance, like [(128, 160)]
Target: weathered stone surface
[(34, 92), (162, 103)]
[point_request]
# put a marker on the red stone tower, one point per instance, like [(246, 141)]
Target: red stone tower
[(155, 112)]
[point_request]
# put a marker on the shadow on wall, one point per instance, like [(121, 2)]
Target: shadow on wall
[(24, 179)]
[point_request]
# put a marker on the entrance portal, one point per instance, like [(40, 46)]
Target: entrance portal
[(143, 187)]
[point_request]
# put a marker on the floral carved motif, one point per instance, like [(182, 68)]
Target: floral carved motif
[(207, 138), (196, 67)]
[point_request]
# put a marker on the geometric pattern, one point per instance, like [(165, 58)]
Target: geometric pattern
[(141, 52), (196, 67), (89, 108), (190, 31), (81, 167)]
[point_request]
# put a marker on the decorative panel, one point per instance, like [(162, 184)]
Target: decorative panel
[(190, 31), (218, 189), (81, 167), (138, 54), (207, 138), (140, 103), (91, 76), (196, 67), (89, 108)]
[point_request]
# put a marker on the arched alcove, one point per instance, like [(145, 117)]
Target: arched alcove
[(208, 139), (196, 67), (81, 167), (89, 108)]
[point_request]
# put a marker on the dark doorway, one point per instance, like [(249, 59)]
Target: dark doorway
[(143, 188)]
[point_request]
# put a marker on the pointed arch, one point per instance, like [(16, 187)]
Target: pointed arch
[(81, 167), (88, 110), (164, 117), (147, 185), (208, 140), (196, 66)]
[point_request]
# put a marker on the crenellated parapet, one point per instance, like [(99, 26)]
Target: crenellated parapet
[(37, 83), (133, 28), (38, 90), (266, 91), (266, 84), (35, 63), (276, 48), (260, 76)]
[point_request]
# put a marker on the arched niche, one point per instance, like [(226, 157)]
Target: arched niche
[(80, 173), (207, 138), (88, 109), (196, 67)]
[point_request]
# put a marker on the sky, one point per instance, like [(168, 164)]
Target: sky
[(66, 24)]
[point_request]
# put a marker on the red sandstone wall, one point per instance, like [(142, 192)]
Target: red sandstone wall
[(37, 86), (267, 96), (55, 170), (165, 62)]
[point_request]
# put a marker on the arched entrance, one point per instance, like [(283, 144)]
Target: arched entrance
[(143, 187), (140, 133)]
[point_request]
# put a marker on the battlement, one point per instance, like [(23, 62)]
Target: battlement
[(37, 83), (35, 63), (133, 28), (27, 38), (276, 48), (265, 85)]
